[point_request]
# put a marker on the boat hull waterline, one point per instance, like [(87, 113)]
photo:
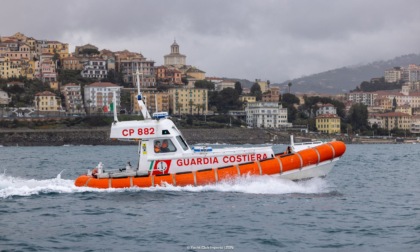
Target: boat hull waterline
[(307, 163)]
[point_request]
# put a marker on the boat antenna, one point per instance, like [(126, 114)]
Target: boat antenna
[(114, 101), (142, 106)]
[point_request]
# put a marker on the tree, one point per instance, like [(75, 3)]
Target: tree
[(191, 104), (184, 80), (289, 99), (290, 85), (204, 84), (394, 104), (377, 84), (227, 99), (238, 87), (256, 91), (358, 117)]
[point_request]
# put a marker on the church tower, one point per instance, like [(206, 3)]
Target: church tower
[(175, 58)]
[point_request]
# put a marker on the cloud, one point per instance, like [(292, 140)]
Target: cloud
[(274, 40)]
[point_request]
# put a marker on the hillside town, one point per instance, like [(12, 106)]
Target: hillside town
[(84, 82)]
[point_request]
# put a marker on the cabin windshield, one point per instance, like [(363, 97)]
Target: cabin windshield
[(164, 145), (182, 142)]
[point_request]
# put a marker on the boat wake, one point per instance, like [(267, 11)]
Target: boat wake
[(14, 186), (256, 185)]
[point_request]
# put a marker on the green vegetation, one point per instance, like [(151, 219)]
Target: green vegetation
[(377, 84), (225, 100), (256, 91), (204, 84)]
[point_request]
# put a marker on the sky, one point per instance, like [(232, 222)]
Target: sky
[(274, 40)]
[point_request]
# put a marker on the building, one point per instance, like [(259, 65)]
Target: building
[(396, 120), (406, 109), (99, 96), (48, 71), (154, 101), (328, 123), (411, 73), (4, 98), (168, 75), (373, 118), (16, 83), (266, 115), (72, 63), (224, 84), (86, 51), (73, 98), (247, 98), (188, 101), (127, 63), (272, 95), (411, 98), (95, 68), (264, 85), (195, 73), (326, 109), (393, 74), (58, 48), (47, 102), (366, 98), (415, 128), (175, 58)]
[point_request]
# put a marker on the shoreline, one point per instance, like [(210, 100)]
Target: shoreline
[(100, 136)]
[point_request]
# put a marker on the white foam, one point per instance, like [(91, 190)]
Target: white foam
[(13, 186), (257, 185)]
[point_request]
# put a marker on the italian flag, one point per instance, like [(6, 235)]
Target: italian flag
[(109, 108)]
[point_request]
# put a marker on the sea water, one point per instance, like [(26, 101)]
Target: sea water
[(369, 202)]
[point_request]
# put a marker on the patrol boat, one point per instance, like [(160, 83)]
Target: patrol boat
[(166, 158)]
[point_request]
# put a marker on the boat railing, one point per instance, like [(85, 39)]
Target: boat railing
[(308, 143)]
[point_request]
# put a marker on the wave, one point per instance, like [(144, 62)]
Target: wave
[(14, 186)]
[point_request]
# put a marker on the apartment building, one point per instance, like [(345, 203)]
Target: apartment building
[(73, 98), (411, 73), (99, 95), (95, 68), (188, 101), (224, 84), (266, 115), (393, 120), (272, 95), (326, 109), (393, 74), (127, 63), (366, 98)]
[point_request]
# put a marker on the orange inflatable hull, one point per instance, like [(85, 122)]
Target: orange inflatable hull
[(280, 164)]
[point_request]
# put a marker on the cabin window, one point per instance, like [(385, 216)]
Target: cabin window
[(182, 142), (164, 145), (165, 132)]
